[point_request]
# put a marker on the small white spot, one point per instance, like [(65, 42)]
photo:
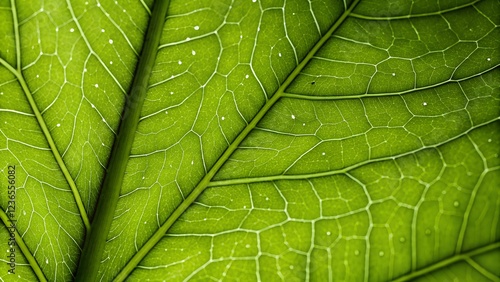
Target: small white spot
[(102, 144), (86, 3), (247, 246), (267, 198), (179, 62), (489, 59), (57, 29), (293, 14), (124, 10), (37, 76), (424, 103), (47, 261), (98, 4), (244, 207), (103, 30), (72, 30), (24, 212), (393, 74), (293, 117), (489, 140), (222, 118), (241, 36), (192, 162), (188, 38), (279, 54), (323, 153), (171, 92), (103, 120), (205, 219), (96, 85), (303, 124), (58, 125), (196, 27), (143, 177), (166, 112), (111, 41), (145, 222), (84, 70), (1, 93), (193, 52), (110, 62), (93, 107), (328, 233), (247, 76)]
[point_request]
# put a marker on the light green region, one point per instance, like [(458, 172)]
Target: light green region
[(278, 140)]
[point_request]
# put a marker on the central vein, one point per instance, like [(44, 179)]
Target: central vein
[(95, 240)]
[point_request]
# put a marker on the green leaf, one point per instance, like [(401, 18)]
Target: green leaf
[(250, 140)]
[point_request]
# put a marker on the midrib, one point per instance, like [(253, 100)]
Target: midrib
[(95, 239)]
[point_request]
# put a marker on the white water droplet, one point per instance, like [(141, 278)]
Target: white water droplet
[(489, 140), (98, 4), (279, 54), (166, 112), (196, 27), (222, 118), (143, 177), (111, 41), (24, 212), (328, 233), (267, 198), (489, 59), (124, 10), (72, 30), (37, 76), (293, 117), (193, 52), (110, 62), (96, 85), (145, 222), (171, 92), (192, 162), (424, 103), (179, 62), (58, 125), (103, 30), (247, 76), (393, 74), (323, 153), (303, 124), (47, 261)]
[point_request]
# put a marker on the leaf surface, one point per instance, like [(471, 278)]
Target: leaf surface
[(278, 140)]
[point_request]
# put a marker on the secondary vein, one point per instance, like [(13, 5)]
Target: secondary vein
[(24, 249), (158, 235), (17, 72)]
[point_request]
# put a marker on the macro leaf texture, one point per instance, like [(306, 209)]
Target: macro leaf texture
[(297, 140)]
